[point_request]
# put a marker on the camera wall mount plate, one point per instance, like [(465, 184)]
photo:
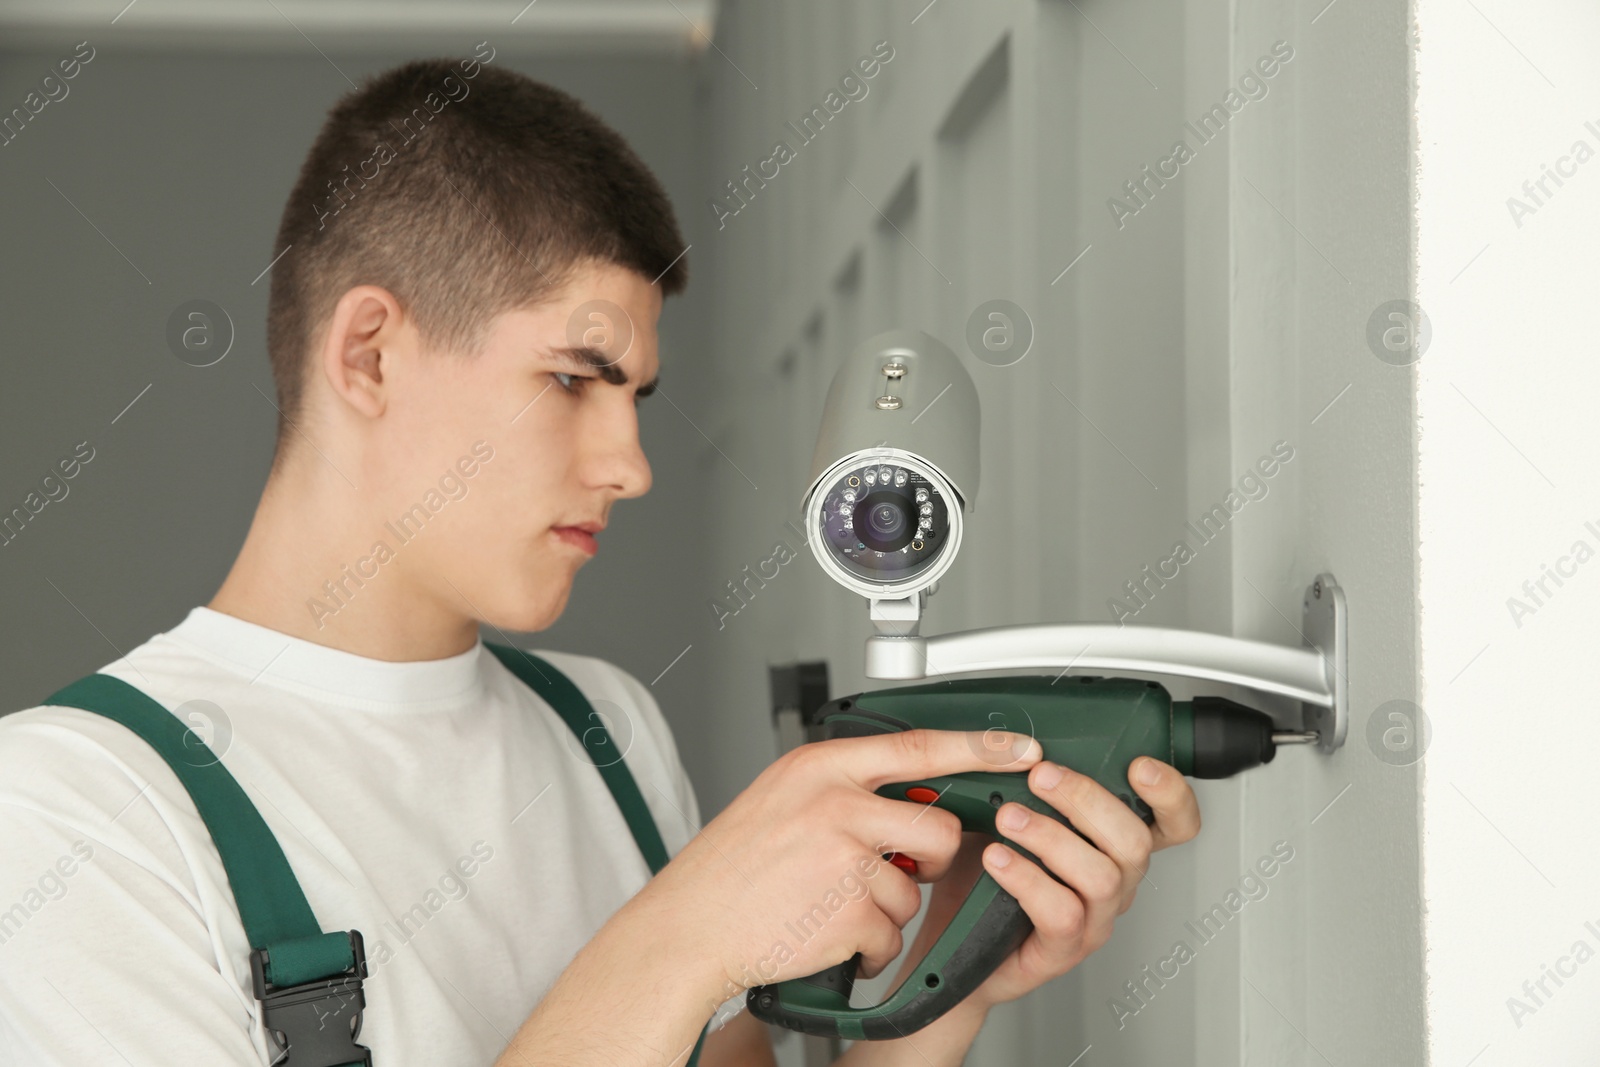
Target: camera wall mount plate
[(1325, 622), (1314, 674)]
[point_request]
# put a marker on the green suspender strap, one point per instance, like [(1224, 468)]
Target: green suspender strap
[(302, 976), (569, 702)]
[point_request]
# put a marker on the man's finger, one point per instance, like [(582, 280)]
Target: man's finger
[(908, 755), (925, 835), (879, 945), (1060, 919), (1169, 795), (895, 894), (1106, 821)]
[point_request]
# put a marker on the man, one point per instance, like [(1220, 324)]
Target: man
[(448, 450)]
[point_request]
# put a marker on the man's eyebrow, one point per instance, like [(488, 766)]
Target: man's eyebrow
[(598, 361)]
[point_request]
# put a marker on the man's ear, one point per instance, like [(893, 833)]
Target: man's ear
[(360, 347)]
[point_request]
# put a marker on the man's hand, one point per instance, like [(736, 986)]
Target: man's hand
[(1070, 921), (787, 881), (1073, 920), (790, 879)]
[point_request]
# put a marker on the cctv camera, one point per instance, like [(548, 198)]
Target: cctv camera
[(895, 467)]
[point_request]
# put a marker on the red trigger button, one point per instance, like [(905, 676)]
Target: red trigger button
[(905, 863), (921, 794)]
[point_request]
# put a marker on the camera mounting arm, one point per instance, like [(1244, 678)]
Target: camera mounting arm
[(1314, 675)]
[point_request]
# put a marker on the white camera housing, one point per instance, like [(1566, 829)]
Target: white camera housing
[(894, 470)]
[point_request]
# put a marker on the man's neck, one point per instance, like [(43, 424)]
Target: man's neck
[(297, 574)]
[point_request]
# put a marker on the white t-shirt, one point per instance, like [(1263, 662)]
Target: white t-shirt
[(440, 807)]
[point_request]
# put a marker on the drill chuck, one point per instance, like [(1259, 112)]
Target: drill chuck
[(1229, 737)]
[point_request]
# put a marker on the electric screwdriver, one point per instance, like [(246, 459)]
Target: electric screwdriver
[(1095, 726)]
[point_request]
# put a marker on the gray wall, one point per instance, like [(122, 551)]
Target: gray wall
[(1167, 361), (182, 161), (1223, 316)]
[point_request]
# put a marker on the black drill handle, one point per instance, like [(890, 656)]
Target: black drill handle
[(839, 979), (960, 961)]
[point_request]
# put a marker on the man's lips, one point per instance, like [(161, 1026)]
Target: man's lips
[(580, 536)]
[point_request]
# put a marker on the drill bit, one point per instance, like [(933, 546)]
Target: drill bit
[(1295, 737)]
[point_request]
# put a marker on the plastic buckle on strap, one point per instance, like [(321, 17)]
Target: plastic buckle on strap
[(315, 1024)]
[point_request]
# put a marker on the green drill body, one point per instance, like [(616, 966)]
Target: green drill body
[(1094, 726)]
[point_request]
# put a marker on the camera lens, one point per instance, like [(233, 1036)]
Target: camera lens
[(882, 520), (886, 520)]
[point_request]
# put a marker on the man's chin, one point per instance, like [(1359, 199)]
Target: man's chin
[(534, 611)]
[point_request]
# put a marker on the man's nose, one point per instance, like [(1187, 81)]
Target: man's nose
[(622, 465)]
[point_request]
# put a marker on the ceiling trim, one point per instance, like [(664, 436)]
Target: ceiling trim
[(671, 26)]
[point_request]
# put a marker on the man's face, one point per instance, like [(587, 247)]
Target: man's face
[(564, 440)]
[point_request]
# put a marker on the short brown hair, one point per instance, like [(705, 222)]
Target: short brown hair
[(465, 190)]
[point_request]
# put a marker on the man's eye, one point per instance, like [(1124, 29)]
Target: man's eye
[(559, 376)]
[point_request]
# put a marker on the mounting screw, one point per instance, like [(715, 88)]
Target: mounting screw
[(1316, 588), (894, 369), (888, 403)]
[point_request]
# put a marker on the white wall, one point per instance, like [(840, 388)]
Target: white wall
[(1506, 403), (1221, 318)]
